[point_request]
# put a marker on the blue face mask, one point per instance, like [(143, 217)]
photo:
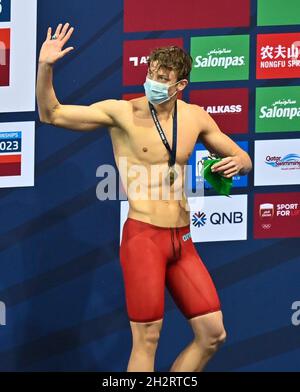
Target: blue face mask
[(157, 92)]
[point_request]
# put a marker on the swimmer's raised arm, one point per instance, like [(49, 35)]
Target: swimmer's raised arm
[(51, 111)]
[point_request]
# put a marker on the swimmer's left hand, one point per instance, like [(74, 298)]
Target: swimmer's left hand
[(228, 167)]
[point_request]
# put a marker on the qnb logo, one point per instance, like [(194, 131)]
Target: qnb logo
[(217, 218), (136, 61), (222, 218), (296, 315), (199, 219), (2, 313)]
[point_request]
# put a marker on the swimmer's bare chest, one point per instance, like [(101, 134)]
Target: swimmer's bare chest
[(139, 141)]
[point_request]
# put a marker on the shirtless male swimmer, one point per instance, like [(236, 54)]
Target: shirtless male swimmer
[(156, 248)]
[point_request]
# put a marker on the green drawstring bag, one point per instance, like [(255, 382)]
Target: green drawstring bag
[(221, 184)]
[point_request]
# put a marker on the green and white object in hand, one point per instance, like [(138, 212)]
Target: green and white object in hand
[(221, 184)]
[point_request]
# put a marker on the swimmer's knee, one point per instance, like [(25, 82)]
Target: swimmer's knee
[(209, 329), (146, 334), (212, 341)]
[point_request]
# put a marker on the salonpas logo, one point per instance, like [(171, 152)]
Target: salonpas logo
[(287, 108), (220, 58), (277, 109)]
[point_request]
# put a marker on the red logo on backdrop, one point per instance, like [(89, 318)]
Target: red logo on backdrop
[(144, 15), (277, 215), (278, 56), (135, 55), (4, 56), (229, 108)]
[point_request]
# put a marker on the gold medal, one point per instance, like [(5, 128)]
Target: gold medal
[(172, 175)]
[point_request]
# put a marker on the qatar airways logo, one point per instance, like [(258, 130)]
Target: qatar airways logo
[(222, 58), (280, 109), (289, 161)]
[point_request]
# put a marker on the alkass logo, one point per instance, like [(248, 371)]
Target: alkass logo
[(278, 56), (266, 210), (135, 56), (222, 109), (10, 153), (282, 108), (277, 215), (220, 58), (4, 56), (228, 107)]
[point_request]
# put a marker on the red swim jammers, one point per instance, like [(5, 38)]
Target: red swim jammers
[(153, 257)]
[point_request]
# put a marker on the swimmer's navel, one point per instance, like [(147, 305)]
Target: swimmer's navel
[(145, 149)]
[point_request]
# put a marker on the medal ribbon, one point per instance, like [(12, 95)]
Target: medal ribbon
[(162, 135)]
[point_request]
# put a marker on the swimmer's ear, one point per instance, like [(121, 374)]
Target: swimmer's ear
[(182, 84)]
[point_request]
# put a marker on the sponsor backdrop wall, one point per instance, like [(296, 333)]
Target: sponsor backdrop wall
[(61, 288)]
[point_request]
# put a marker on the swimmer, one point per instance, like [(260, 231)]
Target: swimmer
[(156, 248)]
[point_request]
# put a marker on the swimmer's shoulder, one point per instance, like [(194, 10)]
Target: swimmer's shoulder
[(138, 103), (126, 109), (191, 107), (194, 115), (130, 105)]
